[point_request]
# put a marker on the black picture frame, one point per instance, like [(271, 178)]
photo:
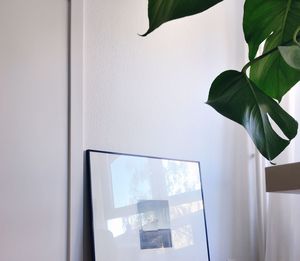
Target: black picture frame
[(163, 234)]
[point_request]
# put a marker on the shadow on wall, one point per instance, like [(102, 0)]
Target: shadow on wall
[(88, 245)]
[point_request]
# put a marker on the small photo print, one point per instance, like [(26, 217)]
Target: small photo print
[(155, 239), (155, 229)]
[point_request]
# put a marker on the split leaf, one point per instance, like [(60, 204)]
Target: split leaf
[(274, 21), (236, 97), (263, 18), (273, 75)]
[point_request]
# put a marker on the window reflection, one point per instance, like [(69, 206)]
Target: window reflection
[(185, 209), (183, 237), (116, 226), (119, 226), (130, 180), (155, 206), (147, 209), (181, 177)]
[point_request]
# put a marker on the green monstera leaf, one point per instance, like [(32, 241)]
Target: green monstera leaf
[(291, 55), (263, 18), (273, 75), (250, 101), (162, 11), (274, 21), (236, 97)]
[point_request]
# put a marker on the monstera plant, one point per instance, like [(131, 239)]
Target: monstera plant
[(252, 95)]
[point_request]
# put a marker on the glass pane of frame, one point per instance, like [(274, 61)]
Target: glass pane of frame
[(146, 208)]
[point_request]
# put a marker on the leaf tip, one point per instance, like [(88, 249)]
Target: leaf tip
[(145, 34), (272, 163)]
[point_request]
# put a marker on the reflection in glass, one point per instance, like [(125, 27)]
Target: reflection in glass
[(155, 229), (147, 209), (130, 180), (185, 209), (116, 226), (183, 237), (119, 226), (181, 177)]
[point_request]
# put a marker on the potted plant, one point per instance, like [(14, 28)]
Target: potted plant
[(251, 96)]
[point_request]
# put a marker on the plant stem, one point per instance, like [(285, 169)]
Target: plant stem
[(258, 59), (296, 39)]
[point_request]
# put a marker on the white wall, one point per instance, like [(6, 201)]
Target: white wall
[(33, 132), (146, 96)]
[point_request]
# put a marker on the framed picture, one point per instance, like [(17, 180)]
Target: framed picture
[(146, 208)]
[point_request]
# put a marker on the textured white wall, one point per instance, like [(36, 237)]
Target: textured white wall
[(33, 132), (146, 96)]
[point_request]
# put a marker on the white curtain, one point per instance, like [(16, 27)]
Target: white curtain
[(278, 214)]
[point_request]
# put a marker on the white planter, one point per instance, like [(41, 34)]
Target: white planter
[(283, 178)]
